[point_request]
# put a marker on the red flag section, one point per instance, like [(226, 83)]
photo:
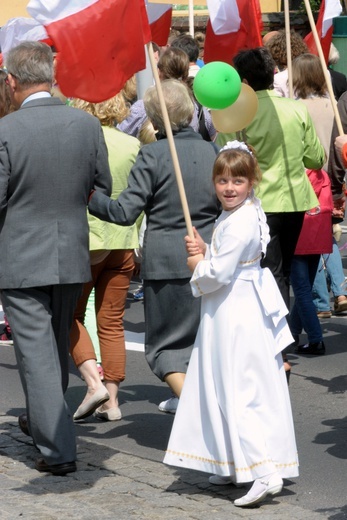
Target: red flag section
[(100, 43), (329, 9), (223, 47), (159, 17)]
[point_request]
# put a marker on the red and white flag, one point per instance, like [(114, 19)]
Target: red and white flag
[(159, 17), (329, 9), (100, 43), (21, 29), (234, 25)]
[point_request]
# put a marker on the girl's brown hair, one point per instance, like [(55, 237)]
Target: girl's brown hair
[(235, 162)]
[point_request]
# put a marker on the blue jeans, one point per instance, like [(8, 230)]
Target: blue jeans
[(303, 314), (334, 273)]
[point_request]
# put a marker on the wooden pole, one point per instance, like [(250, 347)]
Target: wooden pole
[(171, 142), (289, 48), (191, 17), (324, 67)]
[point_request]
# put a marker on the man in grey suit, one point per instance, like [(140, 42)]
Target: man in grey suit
[(51, 158)]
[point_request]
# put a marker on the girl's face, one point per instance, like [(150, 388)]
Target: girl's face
[(232, 191)]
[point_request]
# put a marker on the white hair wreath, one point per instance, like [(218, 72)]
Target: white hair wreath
[(236, 145)]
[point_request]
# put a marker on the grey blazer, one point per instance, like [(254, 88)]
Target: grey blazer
[(51, 157), (152, 188)]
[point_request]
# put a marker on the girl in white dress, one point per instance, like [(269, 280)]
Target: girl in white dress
[(234, 415)]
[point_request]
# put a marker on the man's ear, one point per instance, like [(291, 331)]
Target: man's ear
[(12, 82)]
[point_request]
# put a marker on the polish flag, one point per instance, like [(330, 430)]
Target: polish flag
[(234, 25), (21, 29), (329, 9), (159, 17), (100, 43)]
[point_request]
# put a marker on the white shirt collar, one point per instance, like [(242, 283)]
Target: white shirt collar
[(36, 95)]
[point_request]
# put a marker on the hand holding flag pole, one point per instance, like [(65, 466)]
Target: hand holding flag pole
[(171, 142), (324, 67)]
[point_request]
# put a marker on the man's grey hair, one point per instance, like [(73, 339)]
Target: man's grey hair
[(178, 102), (31, 63)]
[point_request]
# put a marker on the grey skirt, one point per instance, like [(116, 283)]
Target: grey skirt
[(172, 317)]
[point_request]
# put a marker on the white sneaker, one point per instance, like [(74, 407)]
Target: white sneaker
[(169, 406), (218, 480), (271, 485)]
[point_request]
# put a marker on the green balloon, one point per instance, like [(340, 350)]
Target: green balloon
[(217, 85)]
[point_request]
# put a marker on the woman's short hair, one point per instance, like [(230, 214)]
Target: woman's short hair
[(277, 46), (308, 77), (31, 63), (174, 64), (178, 102), (235, 162), (109, 112), (257, 67)]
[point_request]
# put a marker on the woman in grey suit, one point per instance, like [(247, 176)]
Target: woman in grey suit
[(171, 313)]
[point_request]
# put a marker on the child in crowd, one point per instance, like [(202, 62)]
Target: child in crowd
[(234, 415)]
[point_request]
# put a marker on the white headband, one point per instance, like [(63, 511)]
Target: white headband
[(236, 145)]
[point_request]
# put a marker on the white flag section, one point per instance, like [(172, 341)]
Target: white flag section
[(18, 30), (156, 11), (332, 9), (48, 11), (224, 16)]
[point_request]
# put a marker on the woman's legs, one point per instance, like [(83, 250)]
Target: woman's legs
[(111, 292), (175, 381), (320, 293), (83, 355), (304, 268)]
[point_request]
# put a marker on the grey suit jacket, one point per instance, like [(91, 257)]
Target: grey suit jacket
[(51, 157), (152, 187)]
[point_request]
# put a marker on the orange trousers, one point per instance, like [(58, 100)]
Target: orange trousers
[(111, 280)]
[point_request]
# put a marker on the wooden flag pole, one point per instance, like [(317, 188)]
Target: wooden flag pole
[(171, 142), (324, 67), (191, 17), (289, 48)]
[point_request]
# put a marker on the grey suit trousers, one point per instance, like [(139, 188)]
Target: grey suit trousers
[(40, 320)]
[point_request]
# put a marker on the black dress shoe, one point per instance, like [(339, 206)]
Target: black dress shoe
[(55, 469), (23, 424), (314, 349)]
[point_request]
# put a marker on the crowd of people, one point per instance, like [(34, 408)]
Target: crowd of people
[(262, 202)]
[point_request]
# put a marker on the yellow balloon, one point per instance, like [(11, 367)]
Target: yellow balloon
[(238, 115)]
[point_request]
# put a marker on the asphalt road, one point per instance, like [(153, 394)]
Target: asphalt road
[(318, 392)]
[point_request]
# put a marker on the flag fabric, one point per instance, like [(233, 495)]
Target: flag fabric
[(159, 17), (100, 43), (329, 9), (20, 29), (234, 25)]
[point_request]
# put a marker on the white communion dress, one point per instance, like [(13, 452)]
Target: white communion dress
[(234, 415)]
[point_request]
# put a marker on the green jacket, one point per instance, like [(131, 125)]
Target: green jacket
[(122, 153), (285, 141)]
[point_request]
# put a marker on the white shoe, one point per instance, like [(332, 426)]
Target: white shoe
[(97, 399), (218, 480), (108, 414), (271, 485), (169, 406)]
